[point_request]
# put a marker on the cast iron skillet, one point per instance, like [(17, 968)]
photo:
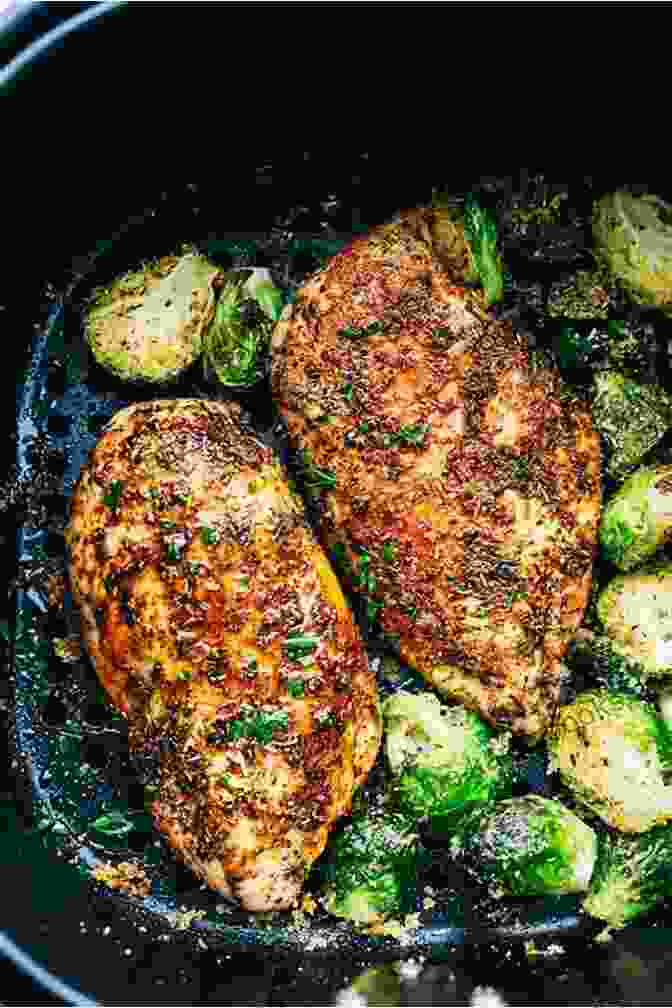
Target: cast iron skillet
[(291, 208)]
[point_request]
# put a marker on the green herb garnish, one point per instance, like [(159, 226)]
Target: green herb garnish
[(348, 391), (209, 536), (361, 332), (173, 553), (260, 725), (481, 232), (296, 687), (108, 581), (414, 434), (113, 824), (298, 645), (390, 551), (113, 495)]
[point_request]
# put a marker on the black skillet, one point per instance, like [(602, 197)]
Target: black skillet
[(82, 797)]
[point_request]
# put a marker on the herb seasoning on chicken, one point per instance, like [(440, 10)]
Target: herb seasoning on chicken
[(464, 481), (219, 629)]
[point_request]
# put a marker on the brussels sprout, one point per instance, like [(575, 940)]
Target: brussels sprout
[(371, 870), (638, 520), (529, 846), (633, 239), (632, 875), (442, 757), (148, 326), (636, 612), (585, 294), (235, 344), (465, 241), (612, 750), (631, 418), (594, 654)]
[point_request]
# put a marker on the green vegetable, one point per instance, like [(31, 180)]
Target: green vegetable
[(594, 654), (362, 332), (632, 875), (465, 242), (442, 758), (529, 846), (149, 325), (481, 233), (113, 495), (237, 341), (633, 239), (613, 751), (390, 551), (371, 868), (173, 553), (296, 687), (314, 476), (414, 435), (637, 521), (113, 824), (631, 418), (585, 294), (636, 612)]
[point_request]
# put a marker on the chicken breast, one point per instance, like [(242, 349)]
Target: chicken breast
[(219, 629), (459, 482)]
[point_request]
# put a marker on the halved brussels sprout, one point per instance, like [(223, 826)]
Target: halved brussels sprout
[(638, 519), (636, 612), (633, 239), (631, 417), (148, 326)]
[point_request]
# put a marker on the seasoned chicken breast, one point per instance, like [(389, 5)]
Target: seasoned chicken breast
[(459, 481), (219, 629)]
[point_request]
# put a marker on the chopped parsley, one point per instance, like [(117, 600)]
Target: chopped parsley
[(173, 553), (362, 332), (244, 582), (209, 536), (296, 687), (259, 725), (348, 391), (390, 551), (413, 435), (299, 645), (113, 495)]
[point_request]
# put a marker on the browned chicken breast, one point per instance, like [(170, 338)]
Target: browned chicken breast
[(459, 482), (219, 629)]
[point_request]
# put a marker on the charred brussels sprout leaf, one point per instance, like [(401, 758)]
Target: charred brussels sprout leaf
[(481, 232), (442, 758), (529, 846), (631, 877), (371, 870), (612, 750)]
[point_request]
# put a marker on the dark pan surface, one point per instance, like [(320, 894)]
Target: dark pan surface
[(70, 741)]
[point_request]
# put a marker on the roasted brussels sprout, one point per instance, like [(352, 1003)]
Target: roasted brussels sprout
[(638, 519), (585, 294), (442, 757), (371, 870), (465, 240), (636, 612), (594, 654), (236, 342), (632, 875), (148, 326), (612, 750), (523, 847), (633, 239), (631, 418)]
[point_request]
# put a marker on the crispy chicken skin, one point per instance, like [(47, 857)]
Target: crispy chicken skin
[(459, 481), (218, 628)]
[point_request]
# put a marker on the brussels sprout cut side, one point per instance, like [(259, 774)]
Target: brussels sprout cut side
[(638, 519), (442, 758), (633, 239), (632, 418), (636, 612), (611, 750), (148, 326), (526, 847)]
